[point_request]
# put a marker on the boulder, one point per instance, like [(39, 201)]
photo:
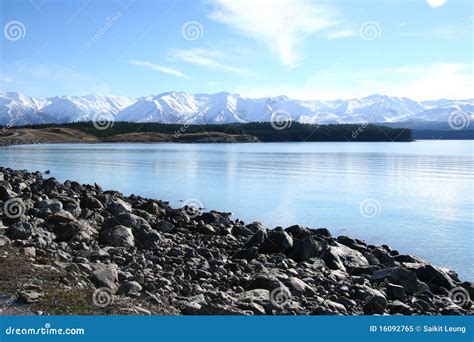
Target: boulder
[(257, 238), (90, 202), (61, 216), (399, 276), (396, 292), (433, 275), (373, 301), (67, 232), (119, 206), (246, 253), (340, 257), (163, 226), (276, 242), (118, 236), (6, 194), (19, 231), (105, 276), (305, 248)]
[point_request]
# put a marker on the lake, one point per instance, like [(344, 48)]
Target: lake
[(416, 197)]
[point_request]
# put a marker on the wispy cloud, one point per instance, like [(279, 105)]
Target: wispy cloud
[(345, 33), (205, 57), (6, 79), (159, 68), (279, 24)]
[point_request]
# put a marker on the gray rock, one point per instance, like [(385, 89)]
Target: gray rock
[(396, 292), (61, 216), (373, 301), (246, 253), (306, 248), (129, 287), (105, 276), (67, 232), (206, 229), (118, 236), (30, 293), (19, 231), (6, 194), (90, 202), (397, 275), (163, 226), (119, 206), (276, 242), (257, 238), (430, 274), (342, 257)]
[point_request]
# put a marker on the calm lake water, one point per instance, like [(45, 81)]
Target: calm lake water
[(416, 197)]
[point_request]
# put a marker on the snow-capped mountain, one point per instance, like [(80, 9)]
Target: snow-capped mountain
[(19, 109), (180, 107)]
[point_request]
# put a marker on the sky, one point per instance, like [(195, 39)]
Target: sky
[(317, 50)]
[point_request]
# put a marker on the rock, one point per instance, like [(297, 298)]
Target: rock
[(164, 226), (374, 302), (430, 274), (4, 241), (342, 257), (396, 292), (221, 310), (53, 205), (397, 275), (19, 231), (397, 307), (304, 249), (118, 236), (119, 206), (298, 232), (6, 194), (265, 281), (145, 237), (90, 202), (257, 238), (257, 295), (299, 286), (246, 253), (61, 216), (105, 276), (130, 287), (30, 293), (70, 230), (214, 217), (334, 306), (206, 229), (29, 252), (276, 242)]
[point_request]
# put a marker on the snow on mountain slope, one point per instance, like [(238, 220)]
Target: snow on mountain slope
[(19, 109), (445, 112), (84, 108), (181, 107)]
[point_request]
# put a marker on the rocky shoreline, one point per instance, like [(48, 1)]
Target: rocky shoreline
[(67, 248)]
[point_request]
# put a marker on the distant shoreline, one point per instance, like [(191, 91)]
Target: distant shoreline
[(98, 132)]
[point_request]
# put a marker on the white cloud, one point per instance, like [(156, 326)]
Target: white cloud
[(420, 82), (341, 34), (436, 3), (279, 24), (159, 68), (6, 79), (205, 57)]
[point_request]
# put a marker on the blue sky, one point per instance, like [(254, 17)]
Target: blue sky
[(303, 49)]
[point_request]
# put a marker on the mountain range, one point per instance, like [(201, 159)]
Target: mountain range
[(180, 107)]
